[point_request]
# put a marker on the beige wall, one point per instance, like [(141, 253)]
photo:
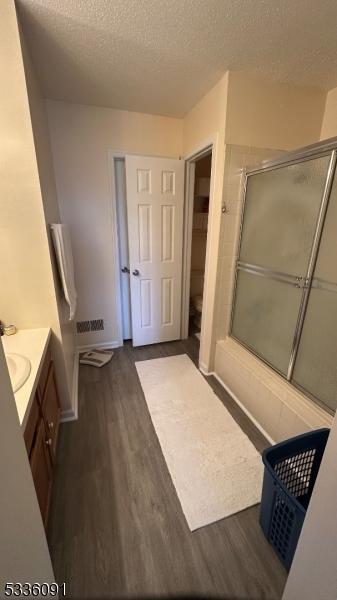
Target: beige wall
[(82, 137), (26, 283), (205, 123), (206, 118), (266, 114), (64, 338), (27, 296), (24, 553), (313, 574), (329, 125)]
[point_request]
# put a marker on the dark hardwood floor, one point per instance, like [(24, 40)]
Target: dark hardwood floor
[(116, 527)]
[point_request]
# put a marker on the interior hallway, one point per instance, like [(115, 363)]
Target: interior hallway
[(116, 526)]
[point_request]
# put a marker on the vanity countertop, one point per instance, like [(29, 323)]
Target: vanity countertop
[(33, 344)]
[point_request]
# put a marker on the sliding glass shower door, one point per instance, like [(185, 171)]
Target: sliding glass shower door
[(283, 217), (316, 363)]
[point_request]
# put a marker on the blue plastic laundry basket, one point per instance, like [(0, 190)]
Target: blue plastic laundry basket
[(290, 473)]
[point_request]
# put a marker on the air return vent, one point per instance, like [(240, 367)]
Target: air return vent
[(97, 325), (94, 325), (82, 326)]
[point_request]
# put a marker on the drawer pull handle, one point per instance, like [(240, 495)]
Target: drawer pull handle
[(49, 442), (51, 425)]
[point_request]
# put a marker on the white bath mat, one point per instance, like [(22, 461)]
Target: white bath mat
[(215, 468)]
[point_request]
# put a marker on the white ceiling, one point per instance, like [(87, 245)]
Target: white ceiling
[(162, 56)]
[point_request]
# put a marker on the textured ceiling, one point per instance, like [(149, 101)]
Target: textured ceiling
[(161, 56)]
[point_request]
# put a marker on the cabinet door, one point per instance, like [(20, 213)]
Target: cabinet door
[(32, 423), (51, 410), (41, 470)]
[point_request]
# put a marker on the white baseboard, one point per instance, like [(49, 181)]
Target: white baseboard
[(71, 414), (101, 346), (204, 370), (239, 403)]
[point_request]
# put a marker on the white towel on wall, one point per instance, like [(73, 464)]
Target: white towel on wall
[(64, 256)]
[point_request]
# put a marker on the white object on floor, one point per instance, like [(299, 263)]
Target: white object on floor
[(215, 468), (64, 256), (96, 358), (197, 335)]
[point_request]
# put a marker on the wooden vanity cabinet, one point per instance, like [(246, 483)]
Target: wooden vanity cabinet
[(41, 466), (50, 408), (41, 434)]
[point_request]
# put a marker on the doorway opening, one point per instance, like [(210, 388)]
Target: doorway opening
[(202, 180)]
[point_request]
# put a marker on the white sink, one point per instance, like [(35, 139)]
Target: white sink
[(19, 369)]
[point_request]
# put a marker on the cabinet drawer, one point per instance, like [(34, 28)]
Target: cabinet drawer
[(44, 373), (41, 470), (32, 422)]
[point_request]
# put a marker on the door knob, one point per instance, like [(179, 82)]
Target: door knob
[(125, 270), (135, 272)]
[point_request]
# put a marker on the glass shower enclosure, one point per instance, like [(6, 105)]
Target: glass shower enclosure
[(285, 298)]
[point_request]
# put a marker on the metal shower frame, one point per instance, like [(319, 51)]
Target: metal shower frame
[(326, 148)]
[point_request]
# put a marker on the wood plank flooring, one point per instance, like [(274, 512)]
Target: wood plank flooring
[(116, 527)]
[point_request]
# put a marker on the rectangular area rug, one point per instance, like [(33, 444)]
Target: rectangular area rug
[(215, 468)]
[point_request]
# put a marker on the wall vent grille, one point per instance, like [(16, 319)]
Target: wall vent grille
[(86, 326), (82, 326), (97, 325)]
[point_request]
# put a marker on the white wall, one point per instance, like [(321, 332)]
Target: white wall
[(313, 574), (82, 137)]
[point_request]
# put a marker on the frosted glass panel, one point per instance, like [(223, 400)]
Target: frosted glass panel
[(265, 317), (281, 211), (316, 364)]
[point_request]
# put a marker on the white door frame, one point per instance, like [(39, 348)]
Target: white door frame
[(123, 245), (112, 156), (213, 236), (187, 246)]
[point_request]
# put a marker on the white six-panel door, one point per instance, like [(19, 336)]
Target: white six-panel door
[(155, 200)]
